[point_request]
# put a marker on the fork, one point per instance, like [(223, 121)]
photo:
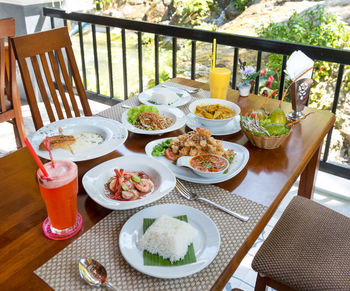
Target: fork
[(193, 196), (190, 91)]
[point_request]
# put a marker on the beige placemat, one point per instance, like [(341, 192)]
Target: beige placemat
[(101, 243), (116, 111)]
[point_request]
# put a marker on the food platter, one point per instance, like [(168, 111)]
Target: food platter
[(185, 97), (239, 162), (179, 120), (206, 244), (95, 179), (113, 133), (230, 127)]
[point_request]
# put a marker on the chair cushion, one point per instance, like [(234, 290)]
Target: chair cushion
[(308, 249)]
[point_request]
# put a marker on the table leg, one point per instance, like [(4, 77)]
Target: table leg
[(308, 176)]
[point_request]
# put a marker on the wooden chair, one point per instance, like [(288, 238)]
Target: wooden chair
[(45, 52), (10, 105), (308, 249)]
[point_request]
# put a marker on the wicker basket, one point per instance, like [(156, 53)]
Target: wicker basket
[(266, 142)]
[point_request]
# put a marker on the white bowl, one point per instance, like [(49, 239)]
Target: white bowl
[(95, 179), (215, 122), (185, 161)]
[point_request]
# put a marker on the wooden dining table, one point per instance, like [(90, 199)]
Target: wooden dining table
[(266, 179)]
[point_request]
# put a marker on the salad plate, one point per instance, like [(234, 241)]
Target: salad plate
[(95, 179), (177, 116), (206, 243), (111, 133), (184, 97), (230, 127), (239, 162)]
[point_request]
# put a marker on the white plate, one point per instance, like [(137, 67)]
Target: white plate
[(95, 179), (176, 114), (113, 132), (206, 244), (185, 97), (238, 164), (230, 127)]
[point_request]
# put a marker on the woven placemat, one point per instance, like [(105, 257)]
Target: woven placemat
[(116, 111), (101, 243)]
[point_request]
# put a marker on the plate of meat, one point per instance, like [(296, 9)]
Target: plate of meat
[(153, 120), (128, 182), (80, 138), (198, 143)]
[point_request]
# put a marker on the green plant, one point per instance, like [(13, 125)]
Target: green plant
[(241, 4), (163, 76), (193, 10), (102, 4), (314, 27)]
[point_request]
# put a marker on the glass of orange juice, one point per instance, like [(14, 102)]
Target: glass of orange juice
[(59, 191), (219, 80)]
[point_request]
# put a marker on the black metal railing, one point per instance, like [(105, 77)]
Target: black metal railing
[(237, 42)]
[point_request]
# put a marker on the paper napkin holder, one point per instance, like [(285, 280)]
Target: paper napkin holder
[(300, 92)]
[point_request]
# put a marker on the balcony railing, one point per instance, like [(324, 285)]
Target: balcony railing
[(237, 42)]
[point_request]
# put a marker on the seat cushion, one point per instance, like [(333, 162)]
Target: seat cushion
[(308, 249)]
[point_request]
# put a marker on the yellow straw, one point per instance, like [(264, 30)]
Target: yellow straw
[(214, 55)]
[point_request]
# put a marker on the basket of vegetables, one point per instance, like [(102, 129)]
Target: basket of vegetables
[(269, 131), (266, 131)]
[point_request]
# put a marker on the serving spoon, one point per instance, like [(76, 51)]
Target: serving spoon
[(94, 273)]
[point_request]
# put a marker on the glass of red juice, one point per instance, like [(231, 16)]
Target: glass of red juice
[(59, 191)]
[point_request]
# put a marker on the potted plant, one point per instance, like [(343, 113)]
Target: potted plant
[(248, 78)]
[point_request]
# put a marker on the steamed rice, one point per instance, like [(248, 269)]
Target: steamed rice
[(168, 237), (163, 96)]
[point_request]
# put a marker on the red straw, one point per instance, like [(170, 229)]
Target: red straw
[(36, 158), (47, 146)]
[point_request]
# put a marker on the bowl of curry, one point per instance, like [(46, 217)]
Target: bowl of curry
[(214, 112), (205, 165)]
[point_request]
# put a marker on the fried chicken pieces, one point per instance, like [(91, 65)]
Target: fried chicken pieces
[(198, 142)]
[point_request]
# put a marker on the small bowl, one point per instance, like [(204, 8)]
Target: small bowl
[(185, 161), (214, 122)]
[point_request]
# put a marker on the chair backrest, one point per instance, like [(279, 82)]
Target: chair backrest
[(10, 105), (46, 53)]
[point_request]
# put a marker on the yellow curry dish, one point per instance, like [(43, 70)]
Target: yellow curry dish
[(214, 111)]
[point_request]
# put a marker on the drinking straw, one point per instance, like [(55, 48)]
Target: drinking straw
[(35, 157), (47, 146), (285, 92), (214, 55), (267, 97)]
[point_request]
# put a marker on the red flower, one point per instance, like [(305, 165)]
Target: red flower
[(269, 81), (263, 72), (275, 70)]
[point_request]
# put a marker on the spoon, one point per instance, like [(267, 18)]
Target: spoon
[(126, 106), (94, 273)]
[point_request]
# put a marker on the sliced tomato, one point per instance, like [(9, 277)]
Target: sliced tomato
[(170, 155)]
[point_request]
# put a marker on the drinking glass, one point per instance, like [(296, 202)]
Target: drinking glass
[(59, 191), (219, 80)]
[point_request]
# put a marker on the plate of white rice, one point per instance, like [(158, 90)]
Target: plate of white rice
[(170, 96), (206, 242)]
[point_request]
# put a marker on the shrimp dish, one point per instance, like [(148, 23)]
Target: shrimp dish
[(195, 143), (128, 185)]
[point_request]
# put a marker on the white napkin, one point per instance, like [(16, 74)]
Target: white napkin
[(297, 64)]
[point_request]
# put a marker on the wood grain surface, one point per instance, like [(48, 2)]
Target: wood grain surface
[(266, 179)]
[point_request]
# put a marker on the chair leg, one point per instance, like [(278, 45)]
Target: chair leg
[(19, 136), (261, 283)]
